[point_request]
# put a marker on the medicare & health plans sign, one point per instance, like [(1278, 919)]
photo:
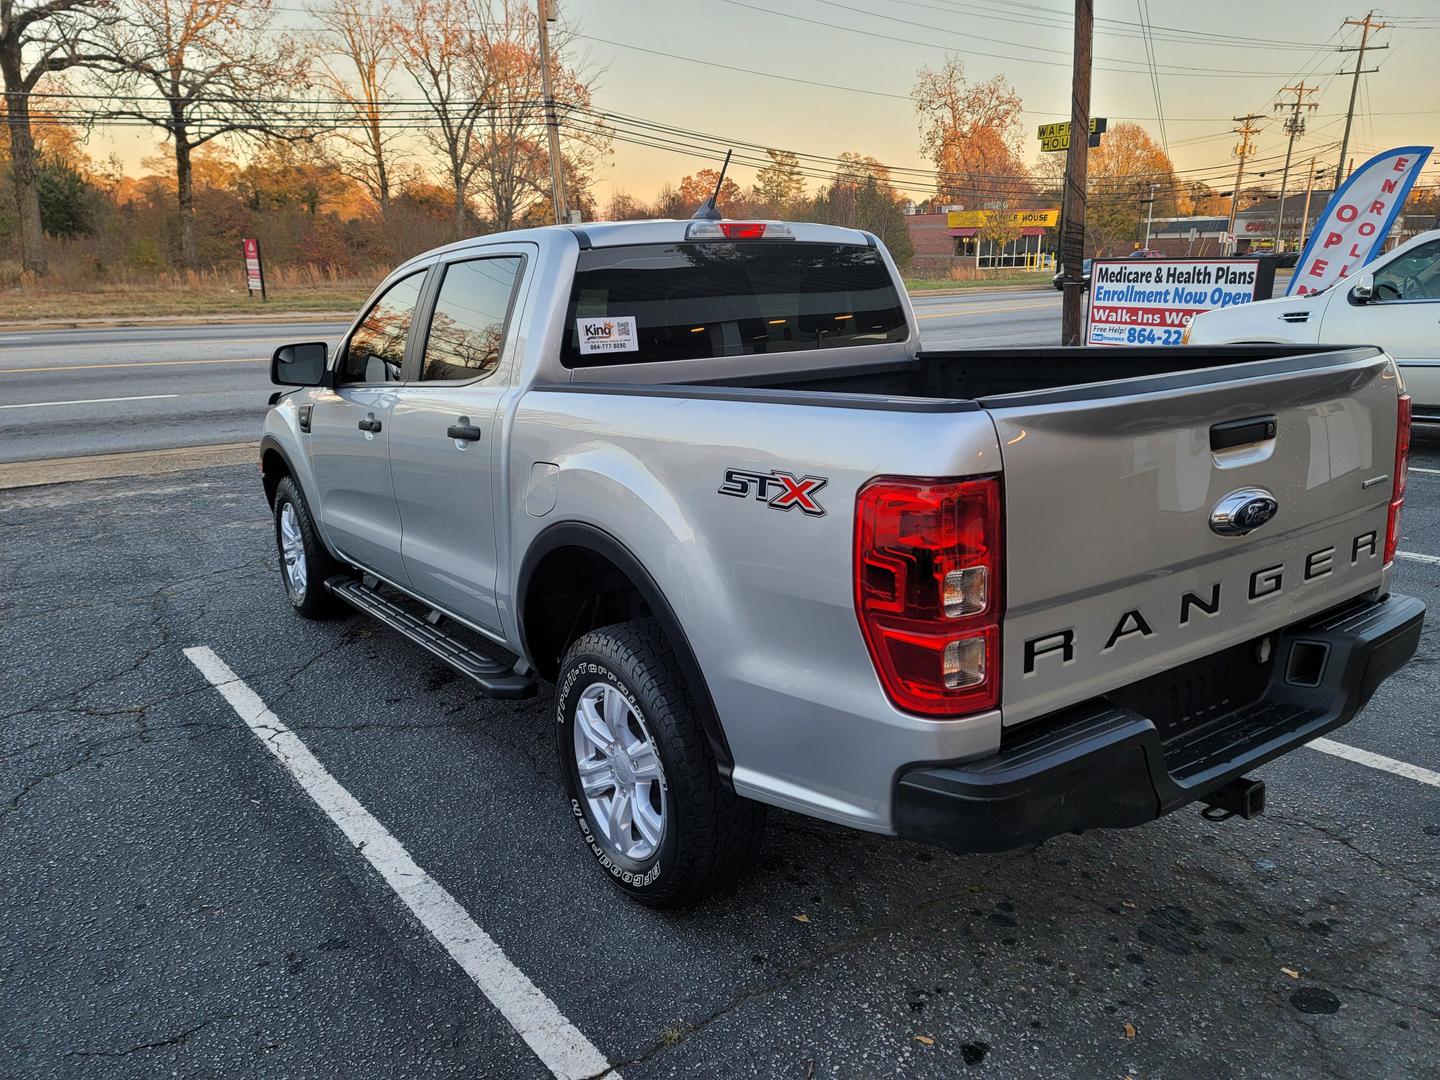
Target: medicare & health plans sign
[(1151, 301)]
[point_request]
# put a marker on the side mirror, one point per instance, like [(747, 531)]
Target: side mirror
[(1364, 290), (300, 365)]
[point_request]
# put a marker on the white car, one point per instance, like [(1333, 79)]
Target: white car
[(1392, 302)]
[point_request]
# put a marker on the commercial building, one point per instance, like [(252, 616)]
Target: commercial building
[(1255, 228), (982, 239)]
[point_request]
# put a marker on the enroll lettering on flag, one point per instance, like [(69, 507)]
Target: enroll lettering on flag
[(1357, 219)]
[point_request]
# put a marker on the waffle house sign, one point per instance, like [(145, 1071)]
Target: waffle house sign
[(1001, 219), (1057, 136)]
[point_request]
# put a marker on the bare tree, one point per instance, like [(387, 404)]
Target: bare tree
[(56, 35), (363, 40), (514, 175), (441, 45), (217, 69)]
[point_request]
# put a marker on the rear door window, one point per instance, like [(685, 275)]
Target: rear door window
[(702, 300), (468, 327)]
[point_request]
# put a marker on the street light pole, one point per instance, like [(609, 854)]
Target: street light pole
[(1072, 232), (552, 124)]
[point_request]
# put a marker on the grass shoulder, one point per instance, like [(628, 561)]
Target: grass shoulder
[(988, 281)]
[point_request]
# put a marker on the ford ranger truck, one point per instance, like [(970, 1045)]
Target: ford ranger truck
[(703, 479)]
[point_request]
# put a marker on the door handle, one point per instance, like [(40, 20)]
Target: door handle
[(1242, 432), (369, 424), (463, 432)]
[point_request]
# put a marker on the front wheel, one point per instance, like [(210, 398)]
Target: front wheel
[(643, 786), (304, 562)]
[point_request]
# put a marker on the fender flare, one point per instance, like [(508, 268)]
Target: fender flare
[(577, 534), (268, 443)]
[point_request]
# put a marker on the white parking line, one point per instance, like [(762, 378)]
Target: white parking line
[(563, 1048), (88, 401), (1416, 468), (1376, 761), (1414, 556)]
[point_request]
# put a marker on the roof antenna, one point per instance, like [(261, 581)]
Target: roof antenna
[(707, 210)]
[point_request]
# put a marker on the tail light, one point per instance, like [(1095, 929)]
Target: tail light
[(928, 590), (1402, 464)]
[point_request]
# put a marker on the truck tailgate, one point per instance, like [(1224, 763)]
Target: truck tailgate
[(1113, 569)]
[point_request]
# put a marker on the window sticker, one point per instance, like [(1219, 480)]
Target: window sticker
[(607, 333)]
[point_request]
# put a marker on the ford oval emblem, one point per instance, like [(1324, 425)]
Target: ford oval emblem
[(1243, 511)]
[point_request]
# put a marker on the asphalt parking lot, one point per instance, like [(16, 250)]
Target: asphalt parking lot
[(173, 903)]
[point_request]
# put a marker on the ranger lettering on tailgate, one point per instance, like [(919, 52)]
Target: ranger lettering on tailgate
[(1266, 581)]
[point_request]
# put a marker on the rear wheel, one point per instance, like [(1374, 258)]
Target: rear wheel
[(643, 786), (304, 561)]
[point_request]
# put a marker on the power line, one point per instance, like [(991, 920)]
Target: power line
[(1182, 72), (1143, 10)]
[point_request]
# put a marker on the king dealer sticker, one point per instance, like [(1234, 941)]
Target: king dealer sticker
[(610, 333)]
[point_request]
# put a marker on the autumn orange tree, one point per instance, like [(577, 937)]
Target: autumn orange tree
[(1120, 173), (200, 69), (698, 187), (971, 132), (512, 181)]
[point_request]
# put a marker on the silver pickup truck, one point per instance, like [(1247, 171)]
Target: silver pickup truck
[(703, 478)]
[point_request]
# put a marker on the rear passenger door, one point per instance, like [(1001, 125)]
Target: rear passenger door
[(446, 440), (349, 439)]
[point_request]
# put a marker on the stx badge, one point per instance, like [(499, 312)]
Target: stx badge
[(778, 490)]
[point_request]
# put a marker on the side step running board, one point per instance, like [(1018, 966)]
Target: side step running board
[(495, 677)]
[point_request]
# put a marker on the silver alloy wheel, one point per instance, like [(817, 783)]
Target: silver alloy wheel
[(292, 550), (620, 772)]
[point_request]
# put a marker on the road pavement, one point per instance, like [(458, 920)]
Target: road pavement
[(66, 393), (174, 904)]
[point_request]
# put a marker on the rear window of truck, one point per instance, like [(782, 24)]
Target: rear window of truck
[(692, 301)]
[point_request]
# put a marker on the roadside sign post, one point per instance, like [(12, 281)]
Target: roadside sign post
[(254, 271)]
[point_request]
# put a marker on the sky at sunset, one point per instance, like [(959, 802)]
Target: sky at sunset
[(655, 62)]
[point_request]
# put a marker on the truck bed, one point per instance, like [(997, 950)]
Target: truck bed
[(978, 374)]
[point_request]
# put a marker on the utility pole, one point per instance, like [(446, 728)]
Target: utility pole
[(1367, 24), (1242, 150), (1294, 125), (1305, 214), (1150, 214), (552, 124), (1072, 230)]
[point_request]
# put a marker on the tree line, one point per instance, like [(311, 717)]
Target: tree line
[(380, 130), (208, 74)]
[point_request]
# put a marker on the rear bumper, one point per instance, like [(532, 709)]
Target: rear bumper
[(1105, 765)]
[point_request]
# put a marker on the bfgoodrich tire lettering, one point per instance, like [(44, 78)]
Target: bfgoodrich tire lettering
[(707, 834)]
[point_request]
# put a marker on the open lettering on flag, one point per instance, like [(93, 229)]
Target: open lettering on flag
[(1358, 217)]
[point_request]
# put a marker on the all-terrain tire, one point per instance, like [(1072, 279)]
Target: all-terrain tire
[(310, 599), (709, 834)]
